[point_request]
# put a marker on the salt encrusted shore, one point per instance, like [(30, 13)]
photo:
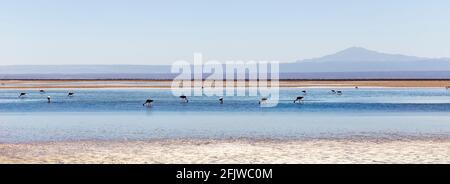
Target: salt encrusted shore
[(225, 151)]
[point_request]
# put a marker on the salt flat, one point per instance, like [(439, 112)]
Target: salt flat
[(238, 151)]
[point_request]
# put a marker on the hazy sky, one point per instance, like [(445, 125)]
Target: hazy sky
[(161, 32)]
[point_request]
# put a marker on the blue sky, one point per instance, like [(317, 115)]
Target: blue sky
[(161, 32)]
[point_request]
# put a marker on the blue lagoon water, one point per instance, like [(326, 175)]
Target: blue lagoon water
[(118, 114)]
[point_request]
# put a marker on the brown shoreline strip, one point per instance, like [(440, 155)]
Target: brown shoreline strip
[(35, 84)]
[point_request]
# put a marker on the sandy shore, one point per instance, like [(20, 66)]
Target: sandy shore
[(49, 84), (231, 151)]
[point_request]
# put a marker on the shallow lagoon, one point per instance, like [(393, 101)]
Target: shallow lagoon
[(118, 114)]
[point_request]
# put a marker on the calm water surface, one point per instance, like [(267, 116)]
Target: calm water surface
[(118, 114)]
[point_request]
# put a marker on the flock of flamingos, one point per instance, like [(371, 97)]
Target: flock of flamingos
[(184, 98)]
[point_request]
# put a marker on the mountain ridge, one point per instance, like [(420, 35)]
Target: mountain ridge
[(359, 59), (363, 54), (353, 59)]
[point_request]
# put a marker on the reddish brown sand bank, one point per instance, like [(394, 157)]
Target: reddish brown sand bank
[(44, 84)]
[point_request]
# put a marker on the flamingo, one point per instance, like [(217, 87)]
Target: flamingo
[(299, 99), (263, 100), (22, 95), (184, 98), (148, 102)]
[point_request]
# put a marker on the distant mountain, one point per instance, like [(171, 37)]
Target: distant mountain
[(355, 62), (357, 59), (359, 54)]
